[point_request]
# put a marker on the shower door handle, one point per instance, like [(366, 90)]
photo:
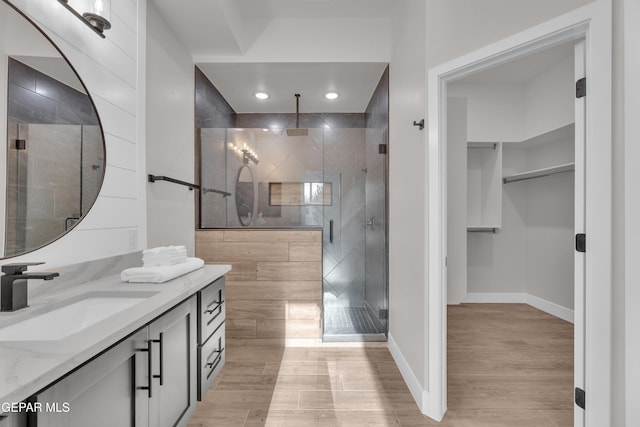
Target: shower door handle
[(372, 223), (331, 231)]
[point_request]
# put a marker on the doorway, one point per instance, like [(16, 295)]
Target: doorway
[(592, 311), (510, 216)]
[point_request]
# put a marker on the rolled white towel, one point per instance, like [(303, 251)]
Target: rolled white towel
[(161, 273)]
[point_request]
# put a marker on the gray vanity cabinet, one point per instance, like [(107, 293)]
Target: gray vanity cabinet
[(145, 380), (211, 334), (106, 392), (174, 380)]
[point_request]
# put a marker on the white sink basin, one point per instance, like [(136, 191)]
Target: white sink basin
[(69, 319)]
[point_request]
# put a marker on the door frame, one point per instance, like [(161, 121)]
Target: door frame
[(592, 23)]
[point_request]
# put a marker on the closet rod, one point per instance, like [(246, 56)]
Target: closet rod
[(568, 167), (482, 146), (493, 230)]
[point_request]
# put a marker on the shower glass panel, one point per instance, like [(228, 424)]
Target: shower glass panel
[(51, 182), (334, 179), (288, 178)]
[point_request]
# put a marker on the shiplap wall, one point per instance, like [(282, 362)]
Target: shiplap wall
[(113, 72), (274, 290)]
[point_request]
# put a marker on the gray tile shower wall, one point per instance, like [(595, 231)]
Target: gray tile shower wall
[(34, 97), (211, 109)]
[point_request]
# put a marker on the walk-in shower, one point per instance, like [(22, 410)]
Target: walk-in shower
[(333, 178)]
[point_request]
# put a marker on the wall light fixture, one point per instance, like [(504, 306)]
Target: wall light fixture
[(94, 13)]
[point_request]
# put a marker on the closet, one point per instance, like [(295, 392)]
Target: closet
[(510, 184)]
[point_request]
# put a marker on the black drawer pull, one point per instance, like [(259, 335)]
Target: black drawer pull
[(215, 361), (214, 309), (149, 351), (161, 342)]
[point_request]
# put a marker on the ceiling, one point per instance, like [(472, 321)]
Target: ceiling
[(223, 28), (238, 82)]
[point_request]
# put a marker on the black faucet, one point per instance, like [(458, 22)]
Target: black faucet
[(13, 289)]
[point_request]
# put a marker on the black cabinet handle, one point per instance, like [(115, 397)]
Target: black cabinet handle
[(149, 351), (212, 310), (331, 231), (161, 342)]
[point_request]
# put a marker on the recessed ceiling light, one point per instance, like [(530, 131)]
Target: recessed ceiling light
[(262, 95), (331, 95)]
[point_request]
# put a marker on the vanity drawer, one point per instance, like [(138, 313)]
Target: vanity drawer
[(211, 309), (211, 357)]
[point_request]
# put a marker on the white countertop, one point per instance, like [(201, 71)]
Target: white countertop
[(27, 367)]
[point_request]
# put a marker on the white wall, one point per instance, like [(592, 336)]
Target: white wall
[(549, 99), (170, 136), (407, 175), (496, 110), (456, 200), (550, 226), (632, 209), (110, 70)]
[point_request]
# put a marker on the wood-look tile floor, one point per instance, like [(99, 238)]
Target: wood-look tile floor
[(509, 365)]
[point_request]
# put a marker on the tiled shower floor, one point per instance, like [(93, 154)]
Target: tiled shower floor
[(348, 321)]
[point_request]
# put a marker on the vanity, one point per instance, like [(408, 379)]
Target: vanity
[(109, 353)]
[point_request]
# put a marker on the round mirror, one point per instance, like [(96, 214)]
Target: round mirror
[(244, 195), (53, 149)]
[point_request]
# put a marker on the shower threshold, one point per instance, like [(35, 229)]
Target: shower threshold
[(350, 324)]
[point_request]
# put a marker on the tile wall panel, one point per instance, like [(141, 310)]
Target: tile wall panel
[(274, 290)]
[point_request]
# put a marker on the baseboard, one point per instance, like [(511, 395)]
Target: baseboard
[(495, 297), (419, 395), (550, 307), (521, 298)]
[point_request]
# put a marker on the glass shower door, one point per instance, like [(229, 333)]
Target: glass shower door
[(376, 289), (354, 288)]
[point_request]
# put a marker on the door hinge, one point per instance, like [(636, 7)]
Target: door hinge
[(580, 397), (21, 144), (581, 242), (382, 148), (581, 88), (383, 314)]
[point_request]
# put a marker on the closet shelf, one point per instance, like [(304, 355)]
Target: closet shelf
[(567, 167)]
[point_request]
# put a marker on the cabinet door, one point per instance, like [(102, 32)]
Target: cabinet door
[(108, 391), (174, 360)]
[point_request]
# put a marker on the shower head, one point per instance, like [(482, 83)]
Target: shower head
[(298, 131)]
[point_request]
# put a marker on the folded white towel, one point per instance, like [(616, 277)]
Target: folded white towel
[(164, 255), (164, 249), (162, 273)]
